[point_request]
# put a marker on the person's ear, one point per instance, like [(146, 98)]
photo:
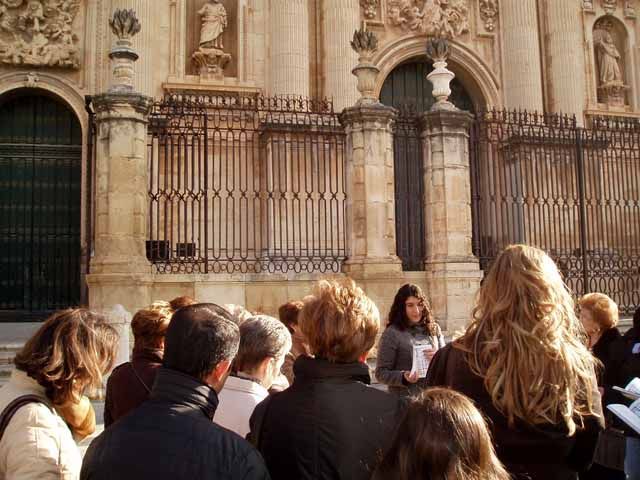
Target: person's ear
[(218, 375)]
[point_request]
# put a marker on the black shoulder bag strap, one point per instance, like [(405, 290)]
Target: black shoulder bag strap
[(11, 409)]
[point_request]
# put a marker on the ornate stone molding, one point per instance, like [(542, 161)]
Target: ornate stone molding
[(369, 8), (39, 33), (433, 17), (610, 6), (587, 5), (629, 9), (107, 102), (489, 14)]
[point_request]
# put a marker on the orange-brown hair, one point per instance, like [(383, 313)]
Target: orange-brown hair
[(180, 302), (602, 308), (150, 327), (72, 348), (340, 322), (288, 314), (442, 436)]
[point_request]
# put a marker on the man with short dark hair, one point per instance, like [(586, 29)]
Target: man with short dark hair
[(172, 435)]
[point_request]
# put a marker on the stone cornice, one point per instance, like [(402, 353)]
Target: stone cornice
[(446, 119), (105, 102), (375, 112)]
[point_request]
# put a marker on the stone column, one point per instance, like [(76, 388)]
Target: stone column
[(339, 20), (120, 271), (454, 271), (565, 58), (522, 64), (290, 61), (371, 211)]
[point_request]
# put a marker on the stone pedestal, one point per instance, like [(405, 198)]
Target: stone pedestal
[(119, 267), (371, 210), (453, 271)]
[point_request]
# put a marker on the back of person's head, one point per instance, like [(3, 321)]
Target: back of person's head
[(182, 301), (150, 327), (603, 310), (288, 314), (442, 436), (398, 312), (199, 337), (636, 322), (339, 321), (525, 337), (239, 314), (262, 338), (69, 353)]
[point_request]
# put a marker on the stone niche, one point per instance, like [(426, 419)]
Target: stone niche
[(610, 42), (40, 33), (229, 37)]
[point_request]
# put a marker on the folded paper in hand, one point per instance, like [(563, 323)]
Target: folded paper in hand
[(420, 362)]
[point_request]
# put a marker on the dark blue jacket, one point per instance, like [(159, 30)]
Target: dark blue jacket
[(172, 436)]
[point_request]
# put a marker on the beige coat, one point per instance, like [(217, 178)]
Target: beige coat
[(37, 443)]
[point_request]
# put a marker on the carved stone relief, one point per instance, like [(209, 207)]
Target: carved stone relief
[(611, 87), (610, 6), (39, 33), (587, 5), (369, 8), (630, 9), (489, 14), (444, 18)]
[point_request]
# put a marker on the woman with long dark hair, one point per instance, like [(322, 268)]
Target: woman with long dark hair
[(410, 322)]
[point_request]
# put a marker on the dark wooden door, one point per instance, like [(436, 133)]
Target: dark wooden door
[(40, 178), (407, 89)]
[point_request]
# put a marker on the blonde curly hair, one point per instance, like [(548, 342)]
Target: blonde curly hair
[(526, 342)]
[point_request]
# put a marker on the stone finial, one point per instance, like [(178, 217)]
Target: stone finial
[(365, 43), (124, 24), (440, 77)]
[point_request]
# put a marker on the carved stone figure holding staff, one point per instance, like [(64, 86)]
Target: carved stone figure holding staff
[(214, 21), (608, 57)]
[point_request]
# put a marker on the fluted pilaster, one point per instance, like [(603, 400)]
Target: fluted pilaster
[(142, 43), (289, 28), (340, 18), (522, 65), (565, 58)]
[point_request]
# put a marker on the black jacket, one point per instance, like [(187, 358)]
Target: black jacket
[(605, 351), (172, 436), (330, 424), (544, 452)]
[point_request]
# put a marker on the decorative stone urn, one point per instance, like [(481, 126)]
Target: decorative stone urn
[(124, 25), (365, 43), (440, 77)]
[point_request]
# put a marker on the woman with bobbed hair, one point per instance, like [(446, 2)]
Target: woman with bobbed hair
[(43, 406), (330, 424), (410, 322), (442, 436), (523, 362), (130, 383)]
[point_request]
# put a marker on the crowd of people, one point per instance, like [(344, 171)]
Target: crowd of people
[(214, 391)]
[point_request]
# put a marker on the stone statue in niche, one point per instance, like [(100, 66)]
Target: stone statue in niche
[(210, 58), (610, 79), (39, 33)]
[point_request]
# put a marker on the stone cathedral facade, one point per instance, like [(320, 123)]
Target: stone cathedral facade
[(78, 186)]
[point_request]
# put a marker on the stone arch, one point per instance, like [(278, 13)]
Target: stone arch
[(473, 73), (40, 82)]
